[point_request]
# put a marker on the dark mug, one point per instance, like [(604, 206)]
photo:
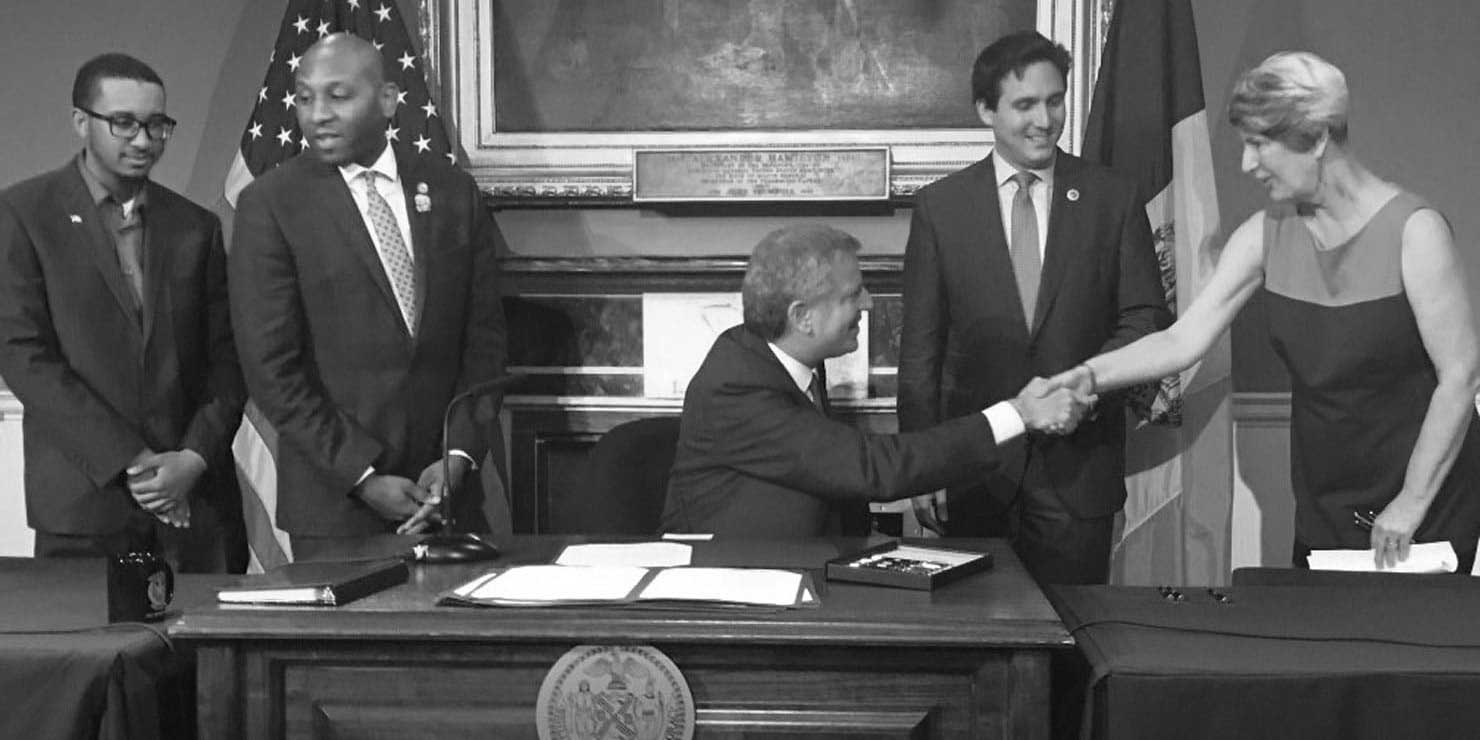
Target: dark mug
[(140, 587)]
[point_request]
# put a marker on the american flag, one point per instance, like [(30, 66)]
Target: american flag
[(272, 136)]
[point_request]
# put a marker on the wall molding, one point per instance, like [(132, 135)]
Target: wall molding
[(1248, 408)]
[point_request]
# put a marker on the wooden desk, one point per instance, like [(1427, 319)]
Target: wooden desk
[(969, 660)]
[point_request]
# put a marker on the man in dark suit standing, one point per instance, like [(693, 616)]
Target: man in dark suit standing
[(758, 455), (363, 298), (115, 335), (1023, 265)]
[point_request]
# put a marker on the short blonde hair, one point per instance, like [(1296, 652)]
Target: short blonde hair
[(1292, 97)]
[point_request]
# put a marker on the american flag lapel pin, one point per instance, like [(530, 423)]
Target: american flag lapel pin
[(74, 218), (422, 200)]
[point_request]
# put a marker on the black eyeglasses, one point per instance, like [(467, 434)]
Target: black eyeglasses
[(125, 126)]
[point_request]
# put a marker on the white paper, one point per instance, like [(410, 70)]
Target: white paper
[(677, 331), (1428, 557), (733, 585), (641, 554), (847, 375), (555, 583), (689, 536)]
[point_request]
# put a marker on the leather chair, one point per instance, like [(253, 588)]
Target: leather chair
[(626, 483)]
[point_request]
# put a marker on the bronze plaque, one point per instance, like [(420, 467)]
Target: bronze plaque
[(842, 173)]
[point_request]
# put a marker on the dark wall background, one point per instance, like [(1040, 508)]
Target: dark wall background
[(1411, 67)]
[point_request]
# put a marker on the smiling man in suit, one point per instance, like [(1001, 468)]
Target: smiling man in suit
[(1022, 265), (115, 335), (364, 300), (758, 454)]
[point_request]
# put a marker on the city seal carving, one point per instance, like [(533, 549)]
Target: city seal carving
[(614, 692)]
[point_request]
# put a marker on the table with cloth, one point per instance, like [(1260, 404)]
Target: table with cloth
[(1280, 653), (66, 673)]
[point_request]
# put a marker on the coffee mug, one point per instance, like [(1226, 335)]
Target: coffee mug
[(140, 587)]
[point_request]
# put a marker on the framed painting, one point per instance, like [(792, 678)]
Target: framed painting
[(553, 99)]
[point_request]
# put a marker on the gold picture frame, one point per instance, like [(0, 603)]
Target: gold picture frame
[(521, 161)]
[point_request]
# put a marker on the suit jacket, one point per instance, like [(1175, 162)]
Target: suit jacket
[(325, 351), (965, 343), (757, 458), (99, 387)]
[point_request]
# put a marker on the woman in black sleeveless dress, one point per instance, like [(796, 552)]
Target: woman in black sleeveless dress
[(1367, 307)]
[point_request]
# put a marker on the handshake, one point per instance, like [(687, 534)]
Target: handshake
[(1056, 405)]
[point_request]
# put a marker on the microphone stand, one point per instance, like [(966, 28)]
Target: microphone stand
[(449, 545)]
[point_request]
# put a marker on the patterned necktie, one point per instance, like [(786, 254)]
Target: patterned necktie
[(393, 252), (1027, 263)]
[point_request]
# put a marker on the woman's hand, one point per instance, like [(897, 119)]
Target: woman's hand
[(1392, 530)]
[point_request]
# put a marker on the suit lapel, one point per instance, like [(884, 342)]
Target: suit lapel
[(1065, 235), (160, 234), (78, 204), (329, 188), (995, 265), (762, 349), (421, 229)]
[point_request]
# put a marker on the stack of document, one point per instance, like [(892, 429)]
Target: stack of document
[(652, 573), (1428, 557)]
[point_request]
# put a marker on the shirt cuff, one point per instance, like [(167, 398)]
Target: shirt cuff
[(371, 471), (472, 464), (1007, 423)]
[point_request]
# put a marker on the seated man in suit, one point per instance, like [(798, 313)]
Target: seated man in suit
[(757, 453)]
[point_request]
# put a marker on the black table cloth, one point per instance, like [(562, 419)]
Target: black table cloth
[(1338, 657), (66, 673)]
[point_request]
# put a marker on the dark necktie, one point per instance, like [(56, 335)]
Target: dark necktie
[(1027, 263), (814, 393), (393, 250), (129, 242)]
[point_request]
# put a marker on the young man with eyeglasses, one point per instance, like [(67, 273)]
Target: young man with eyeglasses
[(115, 335)]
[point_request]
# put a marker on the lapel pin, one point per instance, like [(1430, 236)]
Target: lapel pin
[(1072, 195), (422, 200), (74, 218)]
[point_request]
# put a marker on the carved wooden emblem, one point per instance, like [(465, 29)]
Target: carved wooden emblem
[(614, 692)]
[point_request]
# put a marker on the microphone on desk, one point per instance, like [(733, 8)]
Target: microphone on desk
[(449, 545)]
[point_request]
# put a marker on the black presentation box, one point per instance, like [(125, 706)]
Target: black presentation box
[(901, 565)]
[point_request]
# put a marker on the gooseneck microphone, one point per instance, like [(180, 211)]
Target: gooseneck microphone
[(449, 545)]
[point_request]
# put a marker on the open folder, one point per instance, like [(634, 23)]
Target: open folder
[(580, 585)]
